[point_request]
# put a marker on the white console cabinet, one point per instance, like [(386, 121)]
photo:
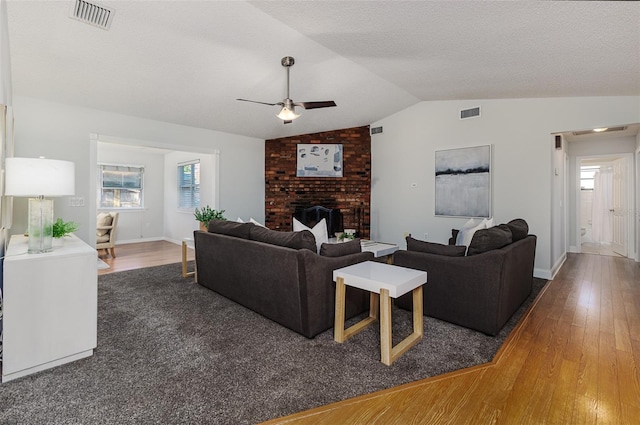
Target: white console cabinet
[(50, 305)]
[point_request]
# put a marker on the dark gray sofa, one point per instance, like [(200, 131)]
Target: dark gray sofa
[(479, 291), (276, 274)]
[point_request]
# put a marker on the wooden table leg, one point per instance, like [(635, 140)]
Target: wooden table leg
[(385, 327), (185, 273), (338, 325)]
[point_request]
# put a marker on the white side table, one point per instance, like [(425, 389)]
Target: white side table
[(383, 281)]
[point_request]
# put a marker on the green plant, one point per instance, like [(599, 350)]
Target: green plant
[(206, 214), (62, 228)]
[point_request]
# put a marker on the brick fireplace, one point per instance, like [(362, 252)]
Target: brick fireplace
[(284, 192)]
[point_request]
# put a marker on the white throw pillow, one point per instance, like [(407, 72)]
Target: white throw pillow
[(251, 220), (239, 220), (466, 233), (489, 223), (319, 231), (104, 219)]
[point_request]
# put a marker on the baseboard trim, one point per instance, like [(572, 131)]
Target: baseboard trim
[(141, 240)]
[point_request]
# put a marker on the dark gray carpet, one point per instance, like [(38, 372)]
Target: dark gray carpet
[(172, 352)]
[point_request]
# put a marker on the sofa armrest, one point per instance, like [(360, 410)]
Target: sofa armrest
[(317, 289)]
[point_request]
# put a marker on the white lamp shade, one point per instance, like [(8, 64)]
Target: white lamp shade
[(39, 177)]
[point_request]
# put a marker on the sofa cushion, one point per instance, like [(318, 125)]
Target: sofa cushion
[(519, 229), (340, 249), (295, 240), (103, 220), (319, 231), (435, 248), (487, 239), (230, 228)]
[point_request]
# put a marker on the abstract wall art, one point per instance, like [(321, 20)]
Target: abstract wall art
[(463, 182)]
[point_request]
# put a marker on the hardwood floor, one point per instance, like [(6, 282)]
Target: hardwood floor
[(144, 254), (573, 359)]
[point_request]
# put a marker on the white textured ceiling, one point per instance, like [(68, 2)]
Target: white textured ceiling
[(186, 62)]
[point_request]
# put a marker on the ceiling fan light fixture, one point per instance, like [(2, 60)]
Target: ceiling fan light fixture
[(287, 114)]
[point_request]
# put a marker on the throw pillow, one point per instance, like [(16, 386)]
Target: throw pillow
[(467, 231), (489, 223), (104, 219), (488, 239), (230, 228), (435, 248), (340, 249), (252, 220), (519, 229), (319, 231), (239, 220), (294, 240)]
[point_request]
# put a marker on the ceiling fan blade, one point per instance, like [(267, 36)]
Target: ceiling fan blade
[(316, 105), (262, 103)]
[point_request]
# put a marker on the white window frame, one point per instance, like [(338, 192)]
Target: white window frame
[(193, 187), (102, 167)]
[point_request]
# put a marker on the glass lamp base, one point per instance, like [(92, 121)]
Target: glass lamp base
[(40, 225)]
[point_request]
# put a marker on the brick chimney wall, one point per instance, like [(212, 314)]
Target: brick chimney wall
[(284, 192)]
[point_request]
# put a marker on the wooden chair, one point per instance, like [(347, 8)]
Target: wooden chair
[(106, 232)]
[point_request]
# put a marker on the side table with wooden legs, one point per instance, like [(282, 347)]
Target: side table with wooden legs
[(384, 282)]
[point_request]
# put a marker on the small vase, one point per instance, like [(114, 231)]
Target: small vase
[(203, 227)]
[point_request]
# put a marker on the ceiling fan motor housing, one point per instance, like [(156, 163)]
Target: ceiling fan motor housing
[(287, 61)]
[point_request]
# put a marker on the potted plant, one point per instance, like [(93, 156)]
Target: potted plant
[(205, 214), (63, 228)]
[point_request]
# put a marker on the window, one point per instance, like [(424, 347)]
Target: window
[(189, 185), (587, 173), (120, 186)]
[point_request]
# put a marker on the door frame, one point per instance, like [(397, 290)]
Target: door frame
[(629, 201)]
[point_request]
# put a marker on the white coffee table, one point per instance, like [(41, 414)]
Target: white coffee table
[(383, 281), (379, 249)]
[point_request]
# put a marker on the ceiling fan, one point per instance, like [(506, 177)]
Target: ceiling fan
[(288, 112)]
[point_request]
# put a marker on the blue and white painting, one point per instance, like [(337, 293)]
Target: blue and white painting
[(463, 182), (319, 160)]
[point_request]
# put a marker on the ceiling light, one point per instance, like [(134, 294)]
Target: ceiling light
[(600, 130), (287, 114)]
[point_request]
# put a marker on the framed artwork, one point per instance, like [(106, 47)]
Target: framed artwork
[(319, 160), (463, 182)]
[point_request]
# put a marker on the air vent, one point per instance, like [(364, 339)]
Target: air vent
[(376, 130), (470, 113), (608, 130), (92, 14)]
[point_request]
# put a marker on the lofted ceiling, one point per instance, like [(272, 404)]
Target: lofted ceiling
[(186, 62)]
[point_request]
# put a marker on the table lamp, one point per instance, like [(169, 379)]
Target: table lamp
[(37, 178)]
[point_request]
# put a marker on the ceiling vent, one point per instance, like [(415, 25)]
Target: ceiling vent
[(470, 113), (92, 14), (608, 130)]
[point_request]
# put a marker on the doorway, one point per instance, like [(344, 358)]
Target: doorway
[(603, 204)]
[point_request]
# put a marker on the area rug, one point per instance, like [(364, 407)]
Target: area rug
[(173, 352)]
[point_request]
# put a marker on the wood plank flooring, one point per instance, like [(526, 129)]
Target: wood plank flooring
[(144, 254), (573, 359)]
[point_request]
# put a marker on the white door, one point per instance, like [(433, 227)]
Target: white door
[(619, 208)]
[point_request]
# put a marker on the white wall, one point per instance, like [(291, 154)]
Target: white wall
[(5, 58), (59, 131), (520, 131), (146, 223)]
